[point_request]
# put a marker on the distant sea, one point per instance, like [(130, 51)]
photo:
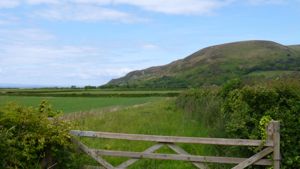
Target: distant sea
[(24, 86)]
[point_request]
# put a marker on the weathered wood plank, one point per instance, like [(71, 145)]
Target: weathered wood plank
[(254, 158), (132, 161), (179, 150), (172, 139), (276, 140), (92, 167), (191, 158), (91, 153)]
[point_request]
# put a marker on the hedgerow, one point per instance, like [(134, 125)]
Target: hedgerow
[(34, 138), (244, 109), (238, 111)]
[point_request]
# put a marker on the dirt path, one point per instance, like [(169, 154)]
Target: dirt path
[(97, 112)]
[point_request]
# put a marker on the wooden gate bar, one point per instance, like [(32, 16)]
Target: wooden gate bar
[(191, 158), (131, 161), (254, 158), (92, 167), (100, 160), (172, 139), (179, 150)]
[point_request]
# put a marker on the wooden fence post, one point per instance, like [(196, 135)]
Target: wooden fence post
[(276, 142)]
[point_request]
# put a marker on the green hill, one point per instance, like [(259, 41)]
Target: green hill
[(295, 47), (217, 64)]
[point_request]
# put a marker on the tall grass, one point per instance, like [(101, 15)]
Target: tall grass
[(158, 118), (203, 106)]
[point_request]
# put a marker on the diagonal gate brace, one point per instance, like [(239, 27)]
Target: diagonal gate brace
[(254, 158)]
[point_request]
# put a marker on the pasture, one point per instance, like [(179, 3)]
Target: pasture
[(76, 104)]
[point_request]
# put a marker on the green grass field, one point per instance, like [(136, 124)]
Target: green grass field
[(76, 104), (158, 118)]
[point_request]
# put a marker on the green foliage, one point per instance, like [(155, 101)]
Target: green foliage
[(247, 110), (229, 86), (90, 87), (30, 139), (46, 108), (204, 106), (166, 82), (263, 123)]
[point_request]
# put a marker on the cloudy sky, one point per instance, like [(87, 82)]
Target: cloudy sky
[(88, 42)]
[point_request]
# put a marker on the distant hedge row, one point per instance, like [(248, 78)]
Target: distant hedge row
[(167, 94)]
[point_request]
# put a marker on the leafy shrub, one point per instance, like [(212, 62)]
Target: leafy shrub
[(30, 139), (244, 108), (244, 112), (229, 86)]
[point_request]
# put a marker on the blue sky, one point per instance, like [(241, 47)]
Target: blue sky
[(89, 42)]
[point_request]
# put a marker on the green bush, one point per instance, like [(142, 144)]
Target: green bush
[(243, 112), (29, 138), (244, 108)]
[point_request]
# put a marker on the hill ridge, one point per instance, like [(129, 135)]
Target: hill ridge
[(216, 64)]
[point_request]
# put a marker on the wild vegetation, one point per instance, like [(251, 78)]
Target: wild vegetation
[(29, 139), (243, 111)]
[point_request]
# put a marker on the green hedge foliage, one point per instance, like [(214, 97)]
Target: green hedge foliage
[(238, 111), (33, 138), (244, 108)]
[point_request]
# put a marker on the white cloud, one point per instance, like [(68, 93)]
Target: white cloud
[(149, 46), (259, 2), (98, 10), (24, 36), (99, 72), (104, 10), (33, 56), (177, 6), (107, 10), (97, 2), (167, 6), (36, 2), (85, 13), (9, 3)]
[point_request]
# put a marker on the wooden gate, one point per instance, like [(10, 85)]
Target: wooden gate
[(270, 145)]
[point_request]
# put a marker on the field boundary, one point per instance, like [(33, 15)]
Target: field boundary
[(270, 145)]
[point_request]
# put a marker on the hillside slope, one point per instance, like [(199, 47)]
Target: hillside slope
[(216, 64), (295, 47)]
